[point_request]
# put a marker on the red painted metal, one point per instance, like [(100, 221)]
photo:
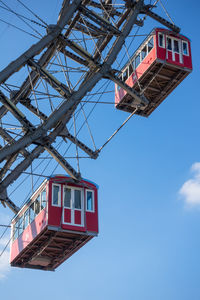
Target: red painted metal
[(47, 241), (159, 63)]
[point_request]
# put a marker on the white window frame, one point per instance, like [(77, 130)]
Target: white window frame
[(179, 45), (153, 44), (180, 53), (187, 48), (41, 199), (26, 211), (21, 224), (14, 231), (59, 197), (73, 197), (145, 45), (72, 208), (38, 195), (88, 190), (125, 70), (169, 37), (69, 188), (159, 34)]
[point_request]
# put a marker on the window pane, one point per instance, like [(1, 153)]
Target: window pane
[(37, 205), (32, 212), (21, 222), (90, 201), (67, 197), (77, 197), (15, 231), (185, 48), (176, 46), (130, 69), (125, 74), (169, 43), (137, 60), (161, 40), (56, 191), (43, 199), (144, 52), (26, 218), (150, 44)]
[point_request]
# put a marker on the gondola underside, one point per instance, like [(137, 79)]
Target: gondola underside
[(50, 248), (156, 84)]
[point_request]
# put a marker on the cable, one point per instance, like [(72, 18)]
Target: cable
[(32, 12), (86, 117), (167, 14), (12, 11), (19, 28), (116, 131), (33, 21)]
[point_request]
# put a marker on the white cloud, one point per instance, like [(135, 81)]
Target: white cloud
[(190, 190)]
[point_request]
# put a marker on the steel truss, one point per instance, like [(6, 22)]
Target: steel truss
[(106, 26)]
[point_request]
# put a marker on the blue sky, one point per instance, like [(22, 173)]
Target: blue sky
[(149, 196)]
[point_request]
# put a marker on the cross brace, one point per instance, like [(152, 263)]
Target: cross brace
[(139, 99), (68, 107), (146, 10), (56, 122), (99, 20)]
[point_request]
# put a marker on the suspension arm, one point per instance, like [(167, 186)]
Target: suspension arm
[(146, 10), (139, 99)]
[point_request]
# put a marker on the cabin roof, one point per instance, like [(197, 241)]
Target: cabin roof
[(66, 176)]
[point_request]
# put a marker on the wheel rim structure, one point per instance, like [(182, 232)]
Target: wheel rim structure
[(58, 76)]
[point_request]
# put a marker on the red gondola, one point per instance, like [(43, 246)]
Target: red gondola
[(161, 62), (59, 219)]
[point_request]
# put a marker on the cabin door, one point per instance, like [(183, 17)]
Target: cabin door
[(174, 52), (73, 206)]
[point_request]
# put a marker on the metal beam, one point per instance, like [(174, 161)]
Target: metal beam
[(16, 112), (15, 173), (6, 201), (34, 50), (61, 88), (89, 29), (10, 178), (33, 109), (68, 107), (64, 164), (164, 77), (6, 136), (146, 10), (31, 80), (107, 39), (90, 152), (78, 49), (74, 57), (111, 10), (7, 165), (139, 99), (66, 14), (99, 20)]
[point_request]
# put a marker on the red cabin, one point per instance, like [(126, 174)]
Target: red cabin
[(161, 62), (60, 217)]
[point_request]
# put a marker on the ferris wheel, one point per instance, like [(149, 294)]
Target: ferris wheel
[(50, 93)]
